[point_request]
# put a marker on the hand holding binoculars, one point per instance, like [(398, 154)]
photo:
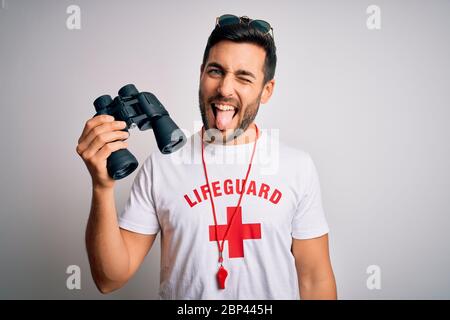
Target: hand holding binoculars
[(142, 110)]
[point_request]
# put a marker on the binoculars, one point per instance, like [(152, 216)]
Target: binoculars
[(142, 110)]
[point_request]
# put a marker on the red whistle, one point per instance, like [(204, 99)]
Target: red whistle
[(221, 277)]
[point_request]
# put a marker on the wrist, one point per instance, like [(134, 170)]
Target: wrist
[(101, 188)]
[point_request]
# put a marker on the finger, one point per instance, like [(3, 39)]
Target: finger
[(98, 130), (107, 149), (101, 140), (94, 122)]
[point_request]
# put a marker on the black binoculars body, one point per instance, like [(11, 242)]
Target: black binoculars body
[(142, 110)]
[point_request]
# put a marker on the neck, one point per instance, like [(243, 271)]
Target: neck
[(248, 136)]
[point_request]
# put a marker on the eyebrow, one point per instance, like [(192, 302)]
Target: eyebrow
[(238, 72)]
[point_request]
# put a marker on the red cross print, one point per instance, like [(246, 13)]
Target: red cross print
[(237, 234)]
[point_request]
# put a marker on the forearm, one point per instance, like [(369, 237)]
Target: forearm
[(107, 252), (318, 289)]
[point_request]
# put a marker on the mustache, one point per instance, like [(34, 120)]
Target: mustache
[(222, 99)]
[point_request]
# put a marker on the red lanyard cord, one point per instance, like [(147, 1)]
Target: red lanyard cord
[(220, 246)]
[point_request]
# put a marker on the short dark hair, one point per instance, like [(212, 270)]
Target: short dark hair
[(240, 33)]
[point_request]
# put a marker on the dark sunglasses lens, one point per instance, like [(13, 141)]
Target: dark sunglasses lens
[(228, 19), (260, 25)]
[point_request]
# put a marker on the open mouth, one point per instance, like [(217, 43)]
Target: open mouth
[(223, 107)]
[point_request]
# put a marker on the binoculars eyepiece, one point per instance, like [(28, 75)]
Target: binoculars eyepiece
[(142, 110)]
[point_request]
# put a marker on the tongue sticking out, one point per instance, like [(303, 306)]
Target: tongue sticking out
[(223, 119)]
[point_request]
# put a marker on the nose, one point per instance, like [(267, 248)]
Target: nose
[(226, 87)]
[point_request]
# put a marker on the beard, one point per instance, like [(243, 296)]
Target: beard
[(229, 135)]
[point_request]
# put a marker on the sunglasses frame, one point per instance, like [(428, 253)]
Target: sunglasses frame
[(247, 20)]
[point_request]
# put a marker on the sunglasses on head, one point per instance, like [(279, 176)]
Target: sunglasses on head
[(260, 25)]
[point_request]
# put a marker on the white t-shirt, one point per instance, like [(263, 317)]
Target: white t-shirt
[(282, 200)]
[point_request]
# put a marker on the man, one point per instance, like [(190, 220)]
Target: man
[(228, 230)]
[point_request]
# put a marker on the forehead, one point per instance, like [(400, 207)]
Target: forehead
[(236, 56)]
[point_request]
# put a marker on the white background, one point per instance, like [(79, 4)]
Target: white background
[(371, 106)]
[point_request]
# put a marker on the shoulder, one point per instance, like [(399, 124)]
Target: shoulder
[(299, 158), (294, 152), (276, 157), (287, 153)]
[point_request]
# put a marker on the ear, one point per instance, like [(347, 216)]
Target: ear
[(267, 91), (201, 71)]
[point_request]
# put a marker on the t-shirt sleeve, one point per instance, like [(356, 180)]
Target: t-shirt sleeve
[(309, 219), (139, 214)]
